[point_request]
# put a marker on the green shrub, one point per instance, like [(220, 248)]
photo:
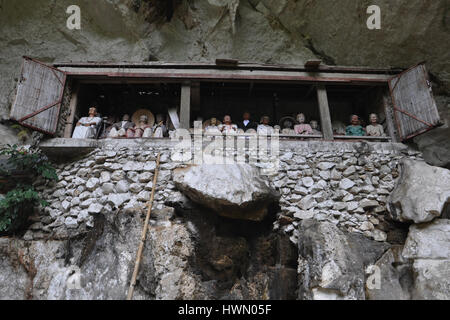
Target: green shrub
[(15, 206), (18, 204)]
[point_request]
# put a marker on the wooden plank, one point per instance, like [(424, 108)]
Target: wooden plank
[(227, 74), (324, 109), (73, 107), (415, 110), (185, 106), (389, 112), (40, 88)]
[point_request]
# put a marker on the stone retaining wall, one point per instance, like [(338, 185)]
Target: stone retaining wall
[(346, 183)]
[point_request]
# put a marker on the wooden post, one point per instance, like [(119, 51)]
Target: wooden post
[(144, 232), (324, 109), (388, 110), (73, 109), (185, 106)]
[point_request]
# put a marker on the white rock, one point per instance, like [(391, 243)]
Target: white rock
[(105, 177), (308, 182), (95, 208), (117, 199), (71, 223)]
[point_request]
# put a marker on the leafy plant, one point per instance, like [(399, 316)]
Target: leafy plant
[(30, 161), (13, 205), (18, 203)]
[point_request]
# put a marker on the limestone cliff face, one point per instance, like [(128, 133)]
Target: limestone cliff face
[(284, 31)]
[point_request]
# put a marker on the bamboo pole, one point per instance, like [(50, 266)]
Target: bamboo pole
[(144, 233)]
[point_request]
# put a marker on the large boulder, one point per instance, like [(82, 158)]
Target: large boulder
[(428, 246), (235, 191), (396, 277), (421, 192), (332, 264)]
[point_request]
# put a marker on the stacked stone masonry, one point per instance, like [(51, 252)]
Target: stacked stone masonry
[(346, 184)]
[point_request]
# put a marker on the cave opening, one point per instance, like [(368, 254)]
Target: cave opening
[(245, 256)]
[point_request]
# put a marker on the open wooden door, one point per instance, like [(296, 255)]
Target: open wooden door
[(415, 111), (39, 96)]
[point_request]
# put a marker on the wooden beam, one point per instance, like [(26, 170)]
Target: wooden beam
[(196, 97), (185, 106), (73, 108), (324, 109)]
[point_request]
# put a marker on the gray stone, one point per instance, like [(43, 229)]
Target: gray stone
[(95, 208), (122, 186), (71, 223), (346, 184), (307, 203), (349, 171), (145, 177), (117, 199), (118, 175), (368, 204), (396, 280), (428, 241), (136, 187), (308, 182), (420, 193), (332, 263), (324, 166), (133, 166), (209, 184), (105, 177), (300, 190), (107, 188)]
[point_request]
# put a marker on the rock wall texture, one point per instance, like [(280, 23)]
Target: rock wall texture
[(92, 227), (266, 31), (93, 224)]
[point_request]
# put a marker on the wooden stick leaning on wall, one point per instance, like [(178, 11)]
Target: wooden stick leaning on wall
[(144, 232)]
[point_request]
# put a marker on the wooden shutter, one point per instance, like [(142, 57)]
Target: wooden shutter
[(415, 110), (39, 96)]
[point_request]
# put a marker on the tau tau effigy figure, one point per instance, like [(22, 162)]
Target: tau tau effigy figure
[(159, 129), (228, 127), (264, 128), (142, 130), (86, 127), (315, 127), (355, 128), (287, 123), (212, 126), (374, 129), (302, 128), (338, 127), (120, 129)]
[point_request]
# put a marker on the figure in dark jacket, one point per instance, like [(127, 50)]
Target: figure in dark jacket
[(247, 124)]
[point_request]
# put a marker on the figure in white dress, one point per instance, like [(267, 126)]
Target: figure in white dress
[(159, 129), (213, 127), (264, 128), (227, 127), (87, 126), (375, 129)]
